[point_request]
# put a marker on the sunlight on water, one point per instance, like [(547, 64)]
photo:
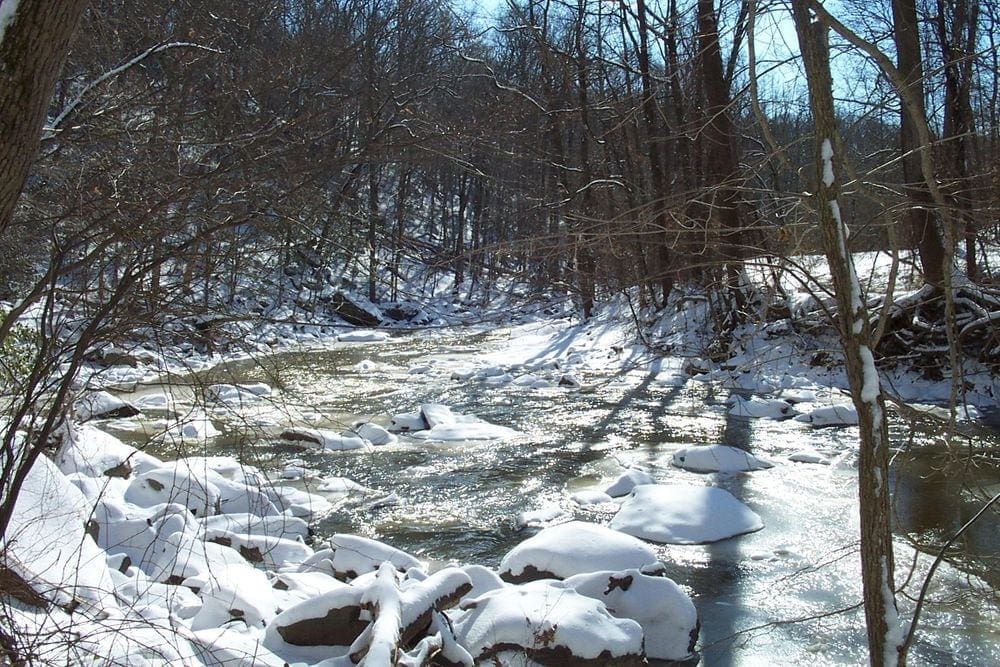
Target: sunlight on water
[(460, 502)]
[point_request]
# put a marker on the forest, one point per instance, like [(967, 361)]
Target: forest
[(178, 173)]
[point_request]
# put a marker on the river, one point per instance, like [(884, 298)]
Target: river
[(459, 502)]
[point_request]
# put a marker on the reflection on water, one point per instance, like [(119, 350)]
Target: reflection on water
[(458, 502)]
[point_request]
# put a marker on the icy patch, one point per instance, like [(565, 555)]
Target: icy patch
[(674, 514)]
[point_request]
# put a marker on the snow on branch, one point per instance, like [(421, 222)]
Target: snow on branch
[(53, 128)]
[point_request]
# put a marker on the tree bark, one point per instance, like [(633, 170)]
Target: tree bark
[(877, 566), (31, 55)]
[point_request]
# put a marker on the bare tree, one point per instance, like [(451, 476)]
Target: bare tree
[(884, 635)]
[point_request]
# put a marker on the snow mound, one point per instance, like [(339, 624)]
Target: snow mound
[(574, 548), (677, 514), (717, 458)]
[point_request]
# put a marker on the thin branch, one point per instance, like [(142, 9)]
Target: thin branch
[(52, 129)]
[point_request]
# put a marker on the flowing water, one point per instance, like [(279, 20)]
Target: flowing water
[(459, 502)]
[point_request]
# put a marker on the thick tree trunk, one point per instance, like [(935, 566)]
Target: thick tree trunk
[(722, 170), (920, 215), (884, 633), (31, 56)]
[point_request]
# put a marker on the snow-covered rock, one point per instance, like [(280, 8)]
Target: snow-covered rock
[(760, 408), (809, 456), (472, 430), (717, 458), (590, 497), (332, 618), (551, 624), (573, 548), (90, 451), (363, 336), (351, 556), (680, 514), (325, 439), (375, 434), (173, 483), (46, 546), (407, 421), (438, 422), (627, 481), (667, 615), (237, 394), (102, 405), (831, 415), (194, 428)]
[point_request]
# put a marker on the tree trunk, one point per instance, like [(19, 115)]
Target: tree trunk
[(958, 47), (884, 633), (722, 170), (920, 215), (31, 56), (650, 115)]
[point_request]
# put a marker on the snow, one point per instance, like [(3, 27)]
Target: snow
[(436, 422), (717, 458), (826, 152), (870, 386), (8, 10), (574, 548), (808, 456), (354, 555), (681, 514), (94, 453)]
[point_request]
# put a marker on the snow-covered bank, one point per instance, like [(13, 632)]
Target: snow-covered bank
[(116, 556)]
